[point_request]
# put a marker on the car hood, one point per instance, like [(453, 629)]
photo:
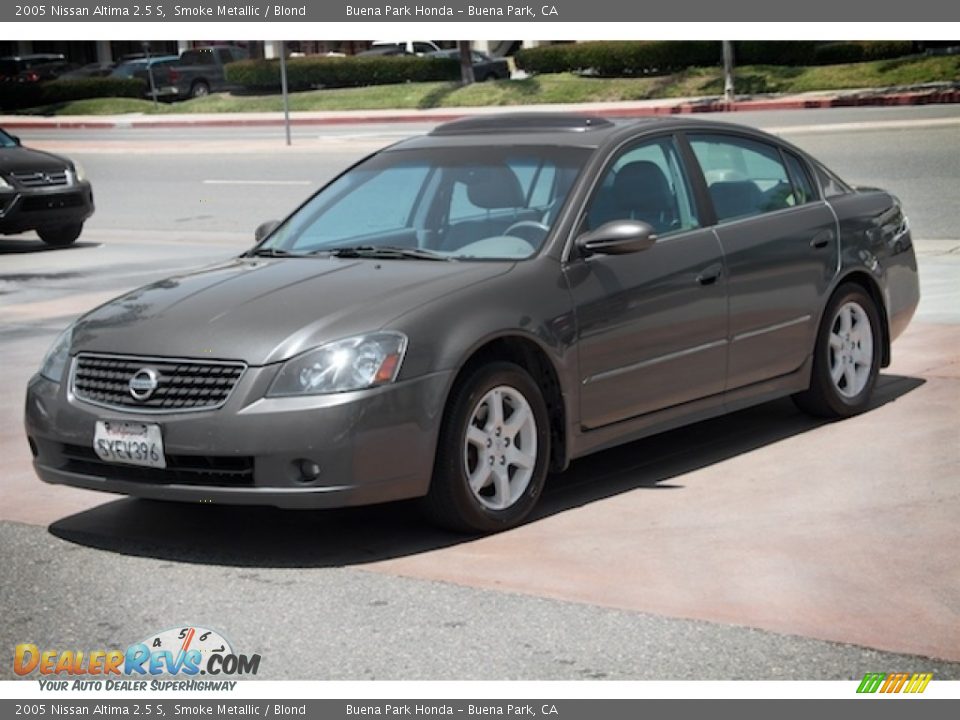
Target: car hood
[(266, 310), (21, 159)]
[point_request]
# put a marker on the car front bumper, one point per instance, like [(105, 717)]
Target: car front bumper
[(29, 209), (371, 446)]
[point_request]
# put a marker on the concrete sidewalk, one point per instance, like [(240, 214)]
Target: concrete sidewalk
[(934, 93)]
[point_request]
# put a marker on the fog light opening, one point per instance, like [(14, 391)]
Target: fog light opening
[(309, 471)]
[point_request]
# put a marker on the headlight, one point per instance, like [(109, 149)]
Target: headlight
[(79, 174), (57, 357), (352, 364), (4, 185)]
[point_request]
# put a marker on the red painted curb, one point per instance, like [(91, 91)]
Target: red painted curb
[(707, 106)]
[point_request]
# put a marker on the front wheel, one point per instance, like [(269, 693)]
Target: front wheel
[(493, 452), (846, 359), (60, 235), (199, 89)]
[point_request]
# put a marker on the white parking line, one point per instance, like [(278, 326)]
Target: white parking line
[(257, 182), (858, 126)]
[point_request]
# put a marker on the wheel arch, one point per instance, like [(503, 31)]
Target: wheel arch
[(868, 282), (532, 356)]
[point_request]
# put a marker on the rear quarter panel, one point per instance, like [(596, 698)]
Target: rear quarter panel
[(874, 238)]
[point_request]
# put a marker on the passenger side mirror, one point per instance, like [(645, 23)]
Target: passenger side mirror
[(265, 229), (617, 237)]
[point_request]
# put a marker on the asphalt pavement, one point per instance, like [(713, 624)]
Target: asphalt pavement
[(764, 545)]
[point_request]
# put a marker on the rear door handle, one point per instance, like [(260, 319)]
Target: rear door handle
[(710, 275), (821, 239)]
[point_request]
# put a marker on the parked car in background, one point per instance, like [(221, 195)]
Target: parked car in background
[(43, 192), (197, 72), (464, 311), (385, 51), (412, 47), (484, 67), (13, 65), (138, 67), (46, 71), (89, 71)]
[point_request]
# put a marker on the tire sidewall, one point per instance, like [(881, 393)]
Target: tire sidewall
[(450, 465), (840, 404)]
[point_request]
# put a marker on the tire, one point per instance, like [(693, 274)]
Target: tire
[(61, 235), (850, 336), (199, 89), (501, 498)]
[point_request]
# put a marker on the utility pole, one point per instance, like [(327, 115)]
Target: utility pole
[(728, 90), (283, 88)]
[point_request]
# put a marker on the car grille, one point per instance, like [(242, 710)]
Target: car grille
[(233, 471), (51, 202), (181, 384), (40, 179)]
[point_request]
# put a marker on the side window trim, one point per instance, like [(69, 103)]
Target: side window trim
[(786, 155)]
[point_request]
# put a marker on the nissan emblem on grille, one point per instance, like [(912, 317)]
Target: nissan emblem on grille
[(143, 384)]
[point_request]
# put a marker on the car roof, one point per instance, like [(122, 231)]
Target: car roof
[(564, 129)]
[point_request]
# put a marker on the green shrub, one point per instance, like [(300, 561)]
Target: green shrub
[(836, 53), (620, 59), (311, 72), (773, 52), (628, 58), (23, 95)]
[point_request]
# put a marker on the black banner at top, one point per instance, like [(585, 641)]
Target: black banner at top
[(579, 11)]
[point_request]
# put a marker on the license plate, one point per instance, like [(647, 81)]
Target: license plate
[(130, 443)]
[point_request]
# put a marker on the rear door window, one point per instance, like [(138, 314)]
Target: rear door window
[(744, 177)]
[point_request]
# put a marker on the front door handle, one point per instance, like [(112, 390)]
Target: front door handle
[(710, 275), (821, 239)]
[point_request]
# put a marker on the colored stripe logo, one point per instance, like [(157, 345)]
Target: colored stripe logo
[(894, 682)]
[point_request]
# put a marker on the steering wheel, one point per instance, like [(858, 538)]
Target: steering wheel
[(532, 231)]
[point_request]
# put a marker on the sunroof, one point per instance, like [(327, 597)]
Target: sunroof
[(522, 122)]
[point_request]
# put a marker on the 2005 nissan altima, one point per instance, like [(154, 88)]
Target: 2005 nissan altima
[(464, 312)]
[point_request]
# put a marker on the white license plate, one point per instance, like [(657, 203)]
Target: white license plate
[(131, 443)]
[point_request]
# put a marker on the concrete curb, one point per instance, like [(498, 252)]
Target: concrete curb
[(620, 110)]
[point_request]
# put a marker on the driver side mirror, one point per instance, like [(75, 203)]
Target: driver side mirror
[(15, 138), (617, 237), (265, 229)]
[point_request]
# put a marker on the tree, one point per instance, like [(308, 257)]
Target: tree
[(466, 62)]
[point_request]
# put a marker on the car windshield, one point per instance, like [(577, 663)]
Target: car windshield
[(6, 141), (484, 203)]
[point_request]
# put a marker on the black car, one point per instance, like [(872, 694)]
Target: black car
[(484, 67), (12, 66), (43, 192)]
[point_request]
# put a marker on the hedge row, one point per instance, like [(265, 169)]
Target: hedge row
[(310, 72), (618, 59), (14, 96), (851, 52)]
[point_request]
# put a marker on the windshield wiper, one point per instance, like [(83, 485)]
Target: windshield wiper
[(384, 252), (272, 252)]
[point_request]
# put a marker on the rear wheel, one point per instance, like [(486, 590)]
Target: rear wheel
[(493, 452), (846, 359), (60, 235)]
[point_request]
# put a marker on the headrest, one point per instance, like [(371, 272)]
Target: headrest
[(642, 185), (494, 187)]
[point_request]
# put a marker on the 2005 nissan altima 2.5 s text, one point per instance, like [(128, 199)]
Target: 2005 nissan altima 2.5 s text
[(464, 312)]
